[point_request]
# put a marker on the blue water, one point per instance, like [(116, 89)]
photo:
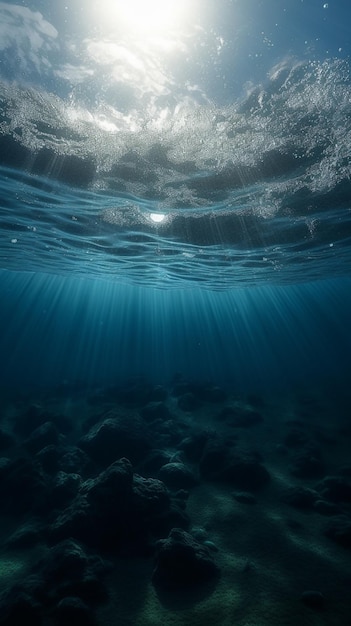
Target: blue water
[(175, 198), (175, 288)]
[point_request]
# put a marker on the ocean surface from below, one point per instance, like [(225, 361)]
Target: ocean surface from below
[(252, 193)]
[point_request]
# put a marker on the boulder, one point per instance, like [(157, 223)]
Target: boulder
[(155, 410), (189, 402), (301, 497), (177, 475), (323, 507), (236, 467), (49, 458), (213, 393), (23, 487), (45, 435), (118, 510), (18, 607), (65, 488), (74, 460), (26, 536), (308, 463), (194, 445), (72, 611), (244, 497), (335, 489), (154, 460), (313, 599), (116, 436), (181, 561), (33, 417), (339, 530)]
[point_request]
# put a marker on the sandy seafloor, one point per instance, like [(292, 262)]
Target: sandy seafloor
[(269, 552)]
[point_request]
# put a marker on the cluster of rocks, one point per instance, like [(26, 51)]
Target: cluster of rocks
[(83, 494), (116, 484), (326, 494)]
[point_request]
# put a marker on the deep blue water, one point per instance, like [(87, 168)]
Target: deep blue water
[(175, 307), (175, 198)]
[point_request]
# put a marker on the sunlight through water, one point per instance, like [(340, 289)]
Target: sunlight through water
[(144, 17)]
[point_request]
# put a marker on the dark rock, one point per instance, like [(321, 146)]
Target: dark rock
[(67, 570), (325, 508), (199, 533), (66, 560), (177, 476), (32, 418), (18, 607), (215, 457), (189, 402), (181, 561), (44, 435), (74, 461), (49, 458), (339, 530), (244, 497), (23, 486), (65, 488), (210, 545), (181, 388), (150, 498), (78, 521), (170, 432), (174, 517), (194, 445), (308, 464), (214, 394), (63, 423), (115, 437), (246, 473), (116, 510), (6, 440), (236, 467), (313, 599), (72, 611), (155, 410), (336, 489), (181, 494), (301, 498), (90, 588), (110, 486), (155, 460), (26, 537)]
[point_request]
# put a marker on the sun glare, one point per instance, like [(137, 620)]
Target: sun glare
[(144, 16), (157, 218)]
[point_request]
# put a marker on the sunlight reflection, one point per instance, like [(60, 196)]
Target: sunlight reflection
[(145, 17), (157, 217)]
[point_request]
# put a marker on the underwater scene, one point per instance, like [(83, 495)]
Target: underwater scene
[(175, 313)]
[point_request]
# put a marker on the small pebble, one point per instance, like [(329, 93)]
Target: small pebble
[(199, 533), (313, 599), (244, 497), (212, 546)]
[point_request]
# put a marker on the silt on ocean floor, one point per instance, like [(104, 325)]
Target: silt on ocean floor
[(175, 305), (150, 505)]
